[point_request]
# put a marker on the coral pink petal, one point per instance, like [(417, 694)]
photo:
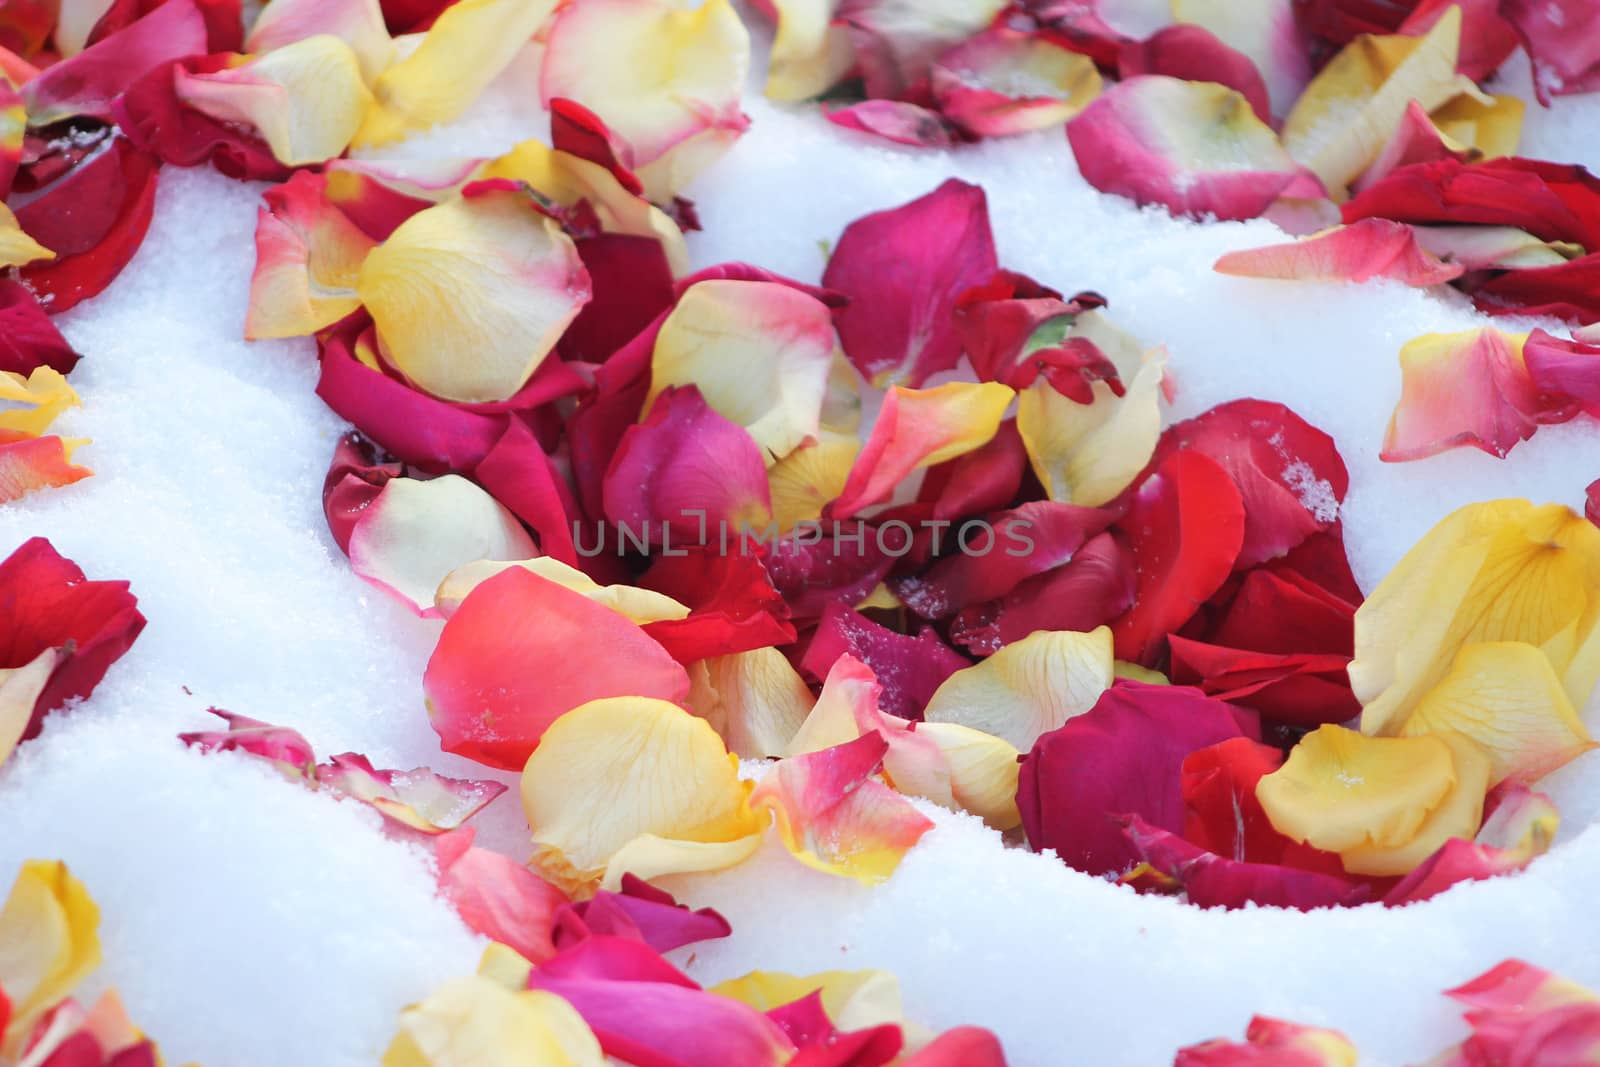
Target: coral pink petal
[(1369, 248)]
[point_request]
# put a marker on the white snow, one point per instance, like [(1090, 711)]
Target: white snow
[(250, 922)]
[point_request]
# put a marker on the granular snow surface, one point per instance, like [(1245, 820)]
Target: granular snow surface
[(251, 923)]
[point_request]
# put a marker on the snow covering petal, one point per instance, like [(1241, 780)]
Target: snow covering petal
[(45, 603), (1505, 697), (465, 49), (87, 83), (414, 533), (810, 52), (639, 605), (1273, 1043), (755, 700), (1088, 454), (1502, 570), (16, 247), (94, 218), (511, 661), (1029, 687), (497, 896), (1196, 148), (1384, 804), (28, 338), (665, 79), (1194, 53), (760, 353), (689, 473), (1122, 757), (919, 428), (833, 815), (1004, 82), (1470, 388), (897, 41), (470, 296), (308, 255), (1368, 248), (1186, 526), (633, 785), (902, 270), (476, 1020), (306, 99), (358, 23), (49, 929), (1267, 33), (1355, 104)]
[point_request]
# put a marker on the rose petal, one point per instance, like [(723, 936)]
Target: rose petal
[(414, 533), (1520, 826), (465, 49), (1122, 757), (616, 774), (158, 122), (1194, 53), (498, 897), (805, 481), (48, 927), (477, 1020), (470, 296), (810, 53), (1369, 248), (28, 338), (29, 464), (359, 23), (638, 605), (1470, 388), (1273, 1043), (1302, 689), (720, 329), (1094, 587), (418, 798), (641, 912), (1196, 148), (279, 745), (834, 816), (1505, 697), (1564, 369), (667, 81), (306, 99), (1561, 43), (1356, 102), (733, 605), (1087, 454), (919, 428), (87, 83), (505, 669), (1267, 33), (308, 254), (903, 270), (913, 667), (897, 41), (45, 603), (20, 688), (755, 700), (896, 121), (94, 218), (1028, 688), (41, 396), (16, 247), (1383, 803), (1005, 82), (1186, 526)]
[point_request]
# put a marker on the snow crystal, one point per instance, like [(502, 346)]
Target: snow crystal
[(249, 921)]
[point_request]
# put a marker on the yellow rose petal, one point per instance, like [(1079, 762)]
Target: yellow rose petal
[(1505, 697), (854, 1000), (1029, 687), (612, 772), (19, 689), (359, 23), (465, 49), (471, 295), (756, 700), (810, 53), (48, 941), (983, 772), (16, 247), (477, 1022), (808, 478), (640, 605), (1459, 814), (46, 393)]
